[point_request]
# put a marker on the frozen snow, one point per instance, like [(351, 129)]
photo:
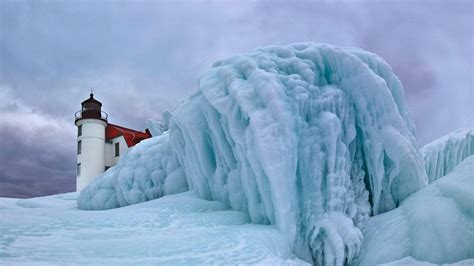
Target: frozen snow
[(174, 230), (434, 225), (443, 154), (312, 138)]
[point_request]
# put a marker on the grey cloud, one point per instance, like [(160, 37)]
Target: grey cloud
[(36, 152), (34, 170)]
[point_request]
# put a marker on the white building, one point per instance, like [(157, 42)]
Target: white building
[(99, 143)]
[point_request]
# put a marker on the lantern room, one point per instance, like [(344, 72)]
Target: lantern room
[(91, 109)]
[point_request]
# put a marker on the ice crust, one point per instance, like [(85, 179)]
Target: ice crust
[(443, 154), (310, 137), (173, 230), (435, 225)]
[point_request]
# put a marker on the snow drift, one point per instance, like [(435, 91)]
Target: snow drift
[(312, 138)]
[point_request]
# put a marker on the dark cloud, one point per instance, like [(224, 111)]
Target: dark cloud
[(143, 57), (37, 150)]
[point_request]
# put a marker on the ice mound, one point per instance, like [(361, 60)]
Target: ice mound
[(148, 171), (310, 137), (435, 225), (442, 155)]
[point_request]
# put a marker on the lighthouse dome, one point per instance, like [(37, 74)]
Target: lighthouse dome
[(91, 109)]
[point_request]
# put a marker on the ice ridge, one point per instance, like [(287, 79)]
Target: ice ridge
[(444, 154)]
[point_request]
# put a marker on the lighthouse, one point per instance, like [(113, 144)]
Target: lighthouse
[(100, 144), (91, 124)]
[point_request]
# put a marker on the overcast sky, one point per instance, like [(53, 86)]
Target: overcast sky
[(143, 57)]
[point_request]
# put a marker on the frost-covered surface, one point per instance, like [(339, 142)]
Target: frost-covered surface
[(175, 230), (435, 225), (309, 137), (443, 154)]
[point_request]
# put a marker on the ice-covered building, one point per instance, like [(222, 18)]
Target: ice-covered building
[(100, 143)]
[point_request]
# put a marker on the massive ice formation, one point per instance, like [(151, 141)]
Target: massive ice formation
[(443, 154), (435, 225), (309, 137)]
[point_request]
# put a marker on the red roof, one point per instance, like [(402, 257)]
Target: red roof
[(132, 137)]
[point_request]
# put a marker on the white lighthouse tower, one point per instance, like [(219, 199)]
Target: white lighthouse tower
[(91, 123), (100, 143)]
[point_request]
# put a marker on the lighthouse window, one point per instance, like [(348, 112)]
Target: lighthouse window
[(78, 169), (79, 131), (117, 149), (79, 147)]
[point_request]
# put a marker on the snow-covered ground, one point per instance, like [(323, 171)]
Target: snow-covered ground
[(177, 229)]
